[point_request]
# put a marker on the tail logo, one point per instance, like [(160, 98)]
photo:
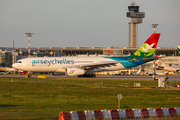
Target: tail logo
[(148, 48), (145, 49)]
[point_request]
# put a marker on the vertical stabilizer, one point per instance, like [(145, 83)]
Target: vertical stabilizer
[(178, 48), (148, 48)]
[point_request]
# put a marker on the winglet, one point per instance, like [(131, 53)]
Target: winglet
[(148, 48)]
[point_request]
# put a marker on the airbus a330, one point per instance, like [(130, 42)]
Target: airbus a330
[(87, 66)]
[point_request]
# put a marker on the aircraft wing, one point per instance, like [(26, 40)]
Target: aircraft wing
[(95, 65)]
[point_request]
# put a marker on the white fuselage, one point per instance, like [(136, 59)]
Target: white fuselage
[(172, 69), (58, 64)]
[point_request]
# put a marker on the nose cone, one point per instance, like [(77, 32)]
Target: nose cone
[(14, 65)]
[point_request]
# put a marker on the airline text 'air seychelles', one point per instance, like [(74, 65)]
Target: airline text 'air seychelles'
[(86, 66)]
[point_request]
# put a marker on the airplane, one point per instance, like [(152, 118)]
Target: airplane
[(162, 65), (87, 66)]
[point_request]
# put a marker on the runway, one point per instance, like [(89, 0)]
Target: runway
[(122, 77)]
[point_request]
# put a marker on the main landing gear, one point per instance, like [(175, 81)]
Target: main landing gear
[(88, 75), (29, 74)]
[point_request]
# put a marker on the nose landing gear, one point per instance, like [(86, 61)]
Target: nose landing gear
[(29, 74)]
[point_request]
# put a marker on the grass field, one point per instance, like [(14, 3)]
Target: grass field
[(33, 98)]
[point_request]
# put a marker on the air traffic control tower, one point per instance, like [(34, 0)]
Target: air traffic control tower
[(136, 18)]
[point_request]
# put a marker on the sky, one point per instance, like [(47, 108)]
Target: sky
[(85, 23)]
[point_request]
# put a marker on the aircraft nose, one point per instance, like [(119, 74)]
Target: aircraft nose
[(14, 65)]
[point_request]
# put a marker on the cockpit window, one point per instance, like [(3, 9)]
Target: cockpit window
[(19, 61)]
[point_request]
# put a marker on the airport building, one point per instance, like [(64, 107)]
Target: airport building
[(110, 51), (136, 18), (8, 56)]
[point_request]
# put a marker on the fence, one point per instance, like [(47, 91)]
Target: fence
[(119, 114)]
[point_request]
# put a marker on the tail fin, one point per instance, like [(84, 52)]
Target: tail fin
[(148, 48), (178, 48)]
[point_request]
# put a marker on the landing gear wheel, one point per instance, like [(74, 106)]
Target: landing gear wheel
[(93, 76), (80, 76), (29, 75), (87, 76)]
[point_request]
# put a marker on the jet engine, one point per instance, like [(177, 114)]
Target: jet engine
[(74, 71)]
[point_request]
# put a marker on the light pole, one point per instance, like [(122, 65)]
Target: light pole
[(29, 35), (154, 26)]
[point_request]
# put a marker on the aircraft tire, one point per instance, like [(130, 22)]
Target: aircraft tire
[(93, 76), (87, 76), (29, 76)]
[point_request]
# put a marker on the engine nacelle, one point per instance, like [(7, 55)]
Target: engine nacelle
[(74, 71), (58, 73)]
